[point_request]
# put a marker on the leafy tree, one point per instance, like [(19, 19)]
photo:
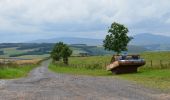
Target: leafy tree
[(66, 52), (61, 50), (118, 39), (56, 52)]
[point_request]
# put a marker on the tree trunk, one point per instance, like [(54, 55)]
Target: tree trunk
[(57, 59), (65, 60)]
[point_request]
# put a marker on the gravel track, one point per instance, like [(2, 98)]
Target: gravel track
[(42, 84)]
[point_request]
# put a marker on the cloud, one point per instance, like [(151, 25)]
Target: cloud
[(82, 16)]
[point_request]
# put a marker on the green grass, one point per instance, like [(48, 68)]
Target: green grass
[(155, 76), (15, 72), (12, 51), (76, 51), (157, 58), (78, 71), (34, 56), (90, 60)]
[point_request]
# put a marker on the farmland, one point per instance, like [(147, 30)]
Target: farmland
[(15, 71), (16, 60), (43, 49), (17, 67), (155, 76), (24, 50)]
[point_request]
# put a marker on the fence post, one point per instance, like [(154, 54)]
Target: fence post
[(161, 63), (105, 64), (151, 63)]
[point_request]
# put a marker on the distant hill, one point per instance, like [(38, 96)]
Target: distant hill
[(71, 40), (145, 40), (139, 39), (152, 42), (150, 39), (25, 49)]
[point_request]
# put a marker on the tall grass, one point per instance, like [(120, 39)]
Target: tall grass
[(13, 71), (78, 70), (156, 60), (17, 68), (93, 62)]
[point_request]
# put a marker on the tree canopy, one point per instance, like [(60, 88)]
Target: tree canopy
[(118, 39), (61, 50)]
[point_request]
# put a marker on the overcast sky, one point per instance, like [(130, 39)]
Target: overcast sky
[(25, 20)]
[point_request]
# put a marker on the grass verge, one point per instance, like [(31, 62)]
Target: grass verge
[(154, 78), (15, 72), (78, 71)]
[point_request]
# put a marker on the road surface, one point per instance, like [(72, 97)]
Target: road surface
[(42, 84)]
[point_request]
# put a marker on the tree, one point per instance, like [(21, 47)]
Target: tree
[(56, 52), (118, 39), (61, 50), (66, 52)]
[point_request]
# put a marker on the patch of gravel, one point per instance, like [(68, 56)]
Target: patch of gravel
[(42, 84)]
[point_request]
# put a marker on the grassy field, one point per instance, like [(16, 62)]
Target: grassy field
[(156, 76), (17, 68), (34, 56), (78, 71), (11, 51), (12, 71), (159, 59)]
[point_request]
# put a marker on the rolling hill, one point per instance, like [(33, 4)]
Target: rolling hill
[(144, 40), (150, 39), (71, 40), (139, 39), (27, 49)]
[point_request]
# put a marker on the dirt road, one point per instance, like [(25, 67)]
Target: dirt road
[(42, 84)]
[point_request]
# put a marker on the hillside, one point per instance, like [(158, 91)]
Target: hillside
[(139, 39), (150, 39), (41, 49), (71, 40), (152, 42)]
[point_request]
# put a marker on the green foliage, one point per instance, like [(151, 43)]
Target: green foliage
[(118, 39), (65, 53), (61, 50), (56, 52)]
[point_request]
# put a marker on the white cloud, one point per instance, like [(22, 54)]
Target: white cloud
[(33, 16)]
